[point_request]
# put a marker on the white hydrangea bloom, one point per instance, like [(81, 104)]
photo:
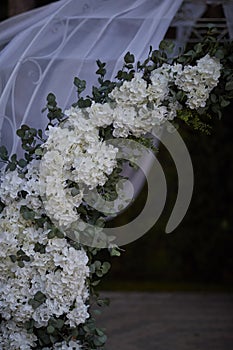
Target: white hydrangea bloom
[(210, 69), (13, 337), (92, 166), (58, 202), (198, 81), (124, 118), (85, 129), (74, 152), (10, 185), (132, 92), (59, 272), (101, 115), (158, 89), (128, 120), (78, 313)]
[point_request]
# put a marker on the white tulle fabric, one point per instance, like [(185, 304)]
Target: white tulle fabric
[(45, 48), (184, 21), (228, 12)]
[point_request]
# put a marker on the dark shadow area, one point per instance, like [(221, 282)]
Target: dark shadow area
[(198, 254)]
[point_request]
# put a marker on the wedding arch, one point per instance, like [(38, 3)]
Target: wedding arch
[(51, 228)]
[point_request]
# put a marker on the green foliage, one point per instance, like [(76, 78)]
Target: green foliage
[(31, 140), (27, 213), (11, 161), (80, 84), (193, 120), (55, 113), (39, 298), (108, 191), (3, 153)]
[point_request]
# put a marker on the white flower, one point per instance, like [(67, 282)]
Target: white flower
[(158, 89), (124, 119), (15, 338), (100, 115), (78, 313), (198, 81), (10, 185), (132, 92), (91, 167)]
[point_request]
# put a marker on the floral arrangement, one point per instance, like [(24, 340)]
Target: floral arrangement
[(48, 277)]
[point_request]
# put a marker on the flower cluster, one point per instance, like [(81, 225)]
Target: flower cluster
[(42, 277), (141, 106), (74, 152), (197, 81)]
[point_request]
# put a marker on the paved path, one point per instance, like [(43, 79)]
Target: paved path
[(168, 321)]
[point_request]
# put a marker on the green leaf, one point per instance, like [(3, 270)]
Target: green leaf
[(57, 323), (100, 64), (229, 85), (11, 166), (95, 283), (51, 99), (224, 103), (28, 214), (100, 341), (39, 248), (101, 71), (166, 45), (80, 84), (50, 329), (84, 103), (22, 163), (39, 151), (213, 98), (129, 58), (59, 234), (105, 267), (13, 258), (3, 153), (21, 264), (51, 234), (29, 324), (40, 297), (20, 133), (14, 158), (115, 252)]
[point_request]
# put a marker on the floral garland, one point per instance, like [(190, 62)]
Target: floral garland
[(48, 280)]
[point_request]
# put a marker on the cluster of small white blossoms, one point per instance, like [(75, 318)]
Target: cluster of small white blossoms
[(141, 106), (198, 81), (74, 150), (58, 271)]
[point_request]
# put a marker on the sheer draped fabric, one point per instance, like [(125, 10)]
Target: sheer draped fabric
[(228, 12), (184, 21), (45, 48)]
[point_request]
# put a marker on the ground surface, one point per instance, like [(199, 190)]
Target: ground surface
[(168, 321)]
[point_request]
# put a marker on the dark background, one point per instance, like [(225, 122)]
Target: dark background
[(199, 253)]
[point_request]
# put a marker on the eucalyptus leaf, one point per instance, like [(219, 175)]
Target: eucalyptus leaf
[(229, 85), (3, 153)]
